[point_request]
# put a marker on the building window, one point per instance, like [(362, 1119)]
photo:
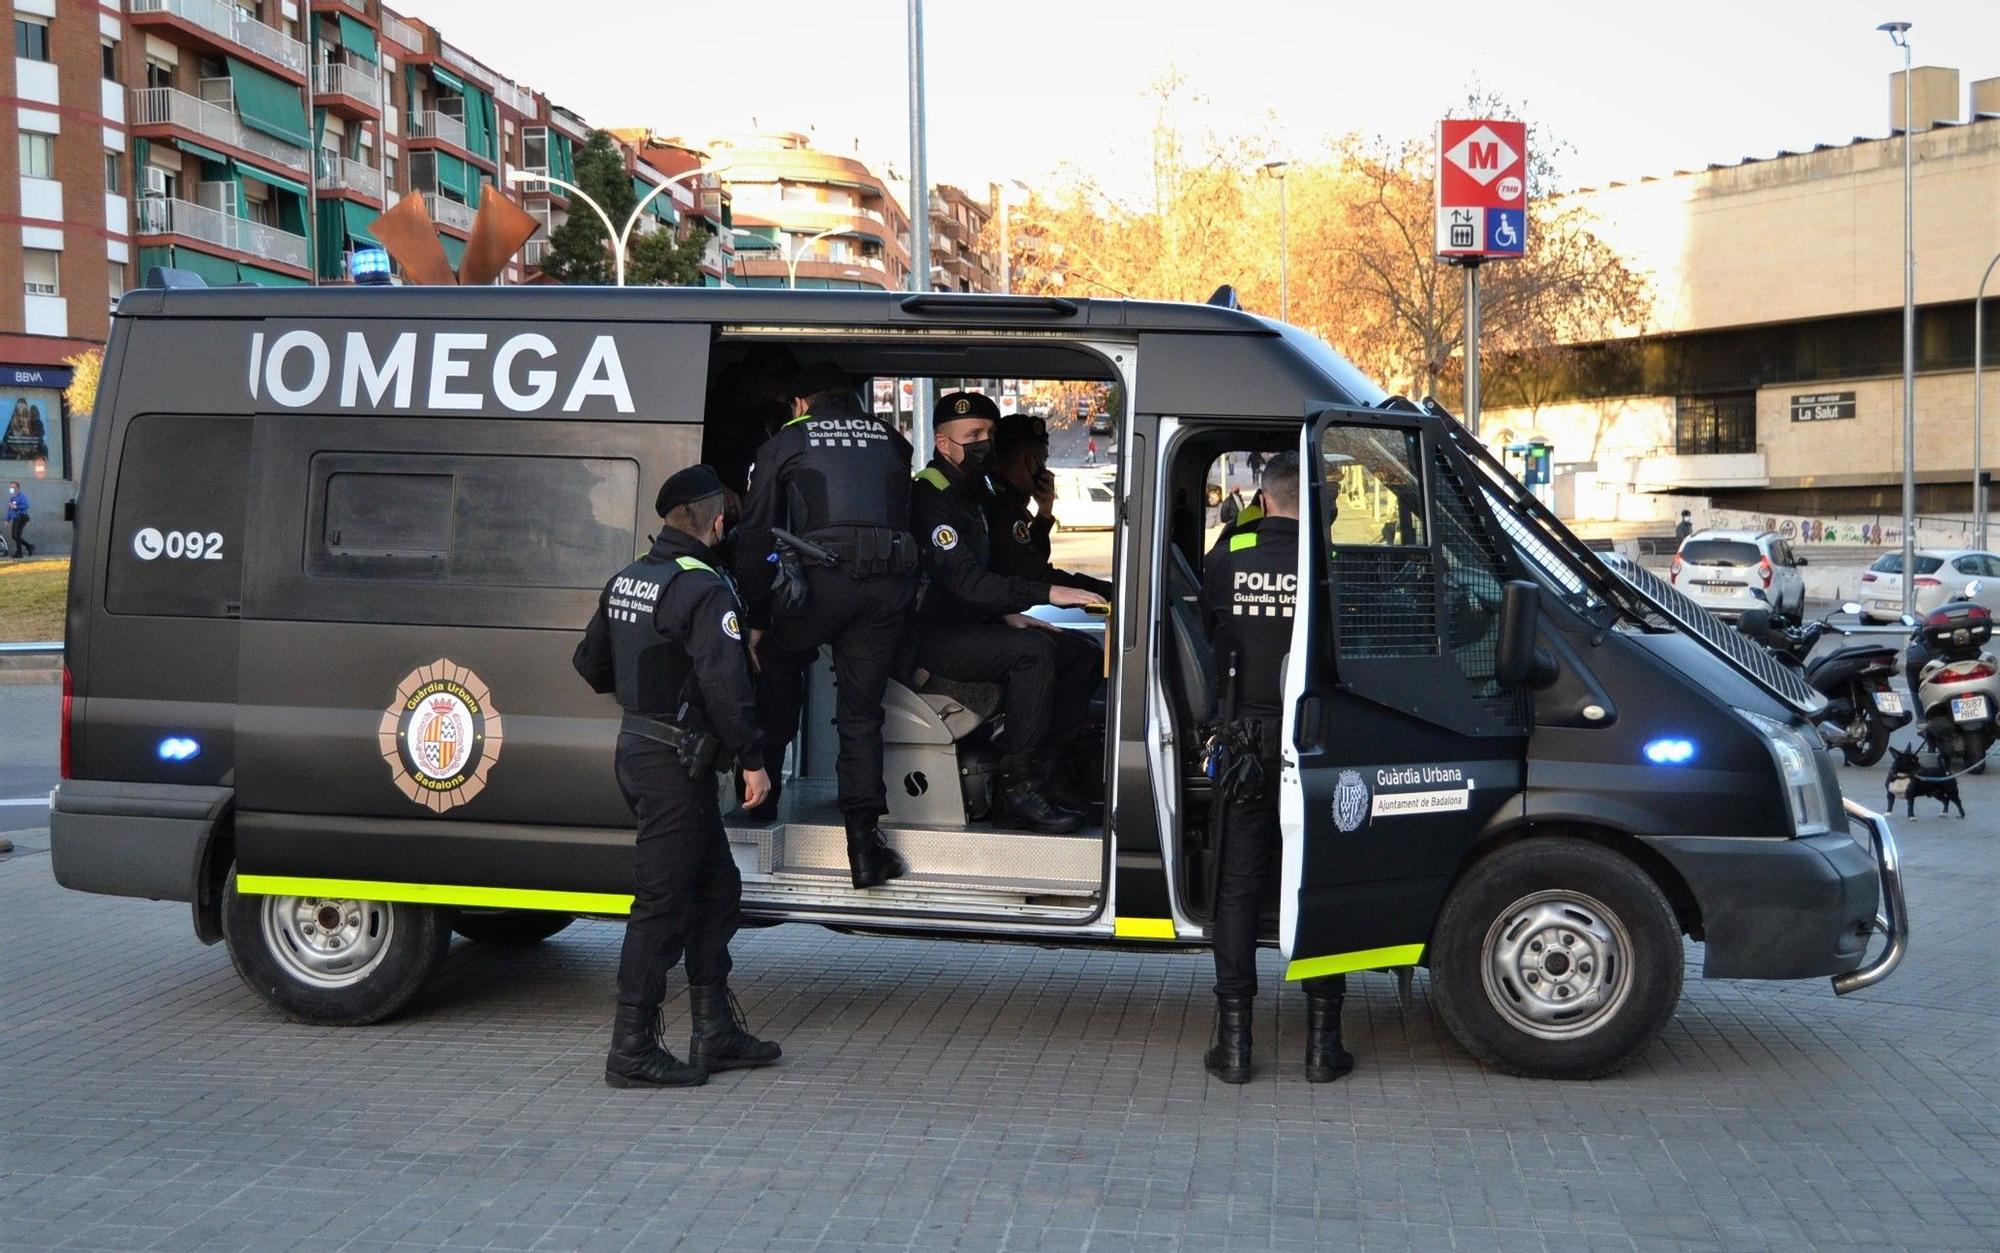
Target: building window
[(1715, 424), (113, 172), (389, 171), (42, 272), (535, 149), (159, 73), (31, 39), (111, 60), (117, 275), (38, 155)]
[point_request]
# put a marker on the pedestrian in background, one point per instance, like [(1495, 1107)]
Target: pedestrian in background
[(17, 520), (1685, 529), (1090, 450)]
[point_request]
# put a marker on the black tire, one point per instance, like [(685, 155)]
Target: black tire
[(510, 926), (1592, 910), (1875, 740), (390, 950)]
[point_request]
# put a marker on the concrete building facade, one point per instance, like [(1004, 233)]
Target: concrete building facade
[(1769, 378)]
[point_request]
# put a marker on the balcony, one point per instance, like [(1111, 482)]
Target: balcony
[(432, 124), (349, 175), (355, 80), (229, 24), (449, 213), (401, 33), (1667, 471), (160, 216), (352, 6), (167, 106)]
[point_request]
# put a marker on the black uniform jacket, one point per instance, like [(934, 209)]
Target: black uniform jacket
[(948, 517), (1249, 593), (696, 625), (1021, 542), (836, 467)]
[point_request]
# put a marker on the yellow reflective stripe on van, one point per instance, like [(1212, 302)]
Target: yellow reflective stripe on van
[(1143, 928), (934, 476), (437, 894), (1366, 959), (1242, 540)]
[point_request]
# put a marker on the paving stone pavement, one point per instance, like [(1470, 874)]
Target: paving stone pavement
[(959, 1096)]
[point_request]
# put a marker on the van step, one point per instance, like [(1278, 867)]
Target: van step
[(1052, 864), (922, 893)]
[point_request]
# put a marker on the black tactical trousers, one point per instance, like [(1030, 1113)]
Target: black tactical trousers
[(1022, 660), (1246, 881), (687, 895), (1079, 670), (863, 619)]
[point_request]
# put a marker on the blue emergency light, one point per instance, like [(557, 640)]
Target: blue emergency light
[(179, 748), (1670, 752), (369, 267)]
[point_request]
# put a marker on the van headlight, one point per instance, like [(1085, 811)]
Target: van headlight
[(1798, 769)]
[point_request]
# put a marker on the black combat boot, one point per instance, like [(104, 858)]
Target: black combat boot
[(1228, 1059), (1325, 1059), (637, 1060), (1031, 806), (720, 1039), (870, 860), (1065, 793)]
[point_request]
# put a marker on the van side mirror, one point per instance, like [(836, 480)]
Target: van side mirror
[(1520, 661)]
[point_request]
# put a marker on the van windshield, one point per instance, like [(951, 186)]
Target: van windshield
[(1892, 563), (1720, 552)]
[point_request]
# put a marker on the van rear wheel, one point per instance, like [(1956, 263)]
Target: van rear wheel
[(1556, 958), (510, 926), (332, 961)]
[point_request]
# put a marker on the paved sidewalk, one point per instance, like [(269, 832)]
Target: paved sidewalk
[(978, 1097)]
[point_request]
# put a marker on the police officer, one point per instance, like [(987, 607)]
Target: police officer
[(1249, 595), (1021, 549), (668, 639), (972, 625), (839, 478)]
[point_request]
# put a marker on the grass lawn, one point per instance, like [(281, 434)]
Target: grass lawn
[(32, 597)]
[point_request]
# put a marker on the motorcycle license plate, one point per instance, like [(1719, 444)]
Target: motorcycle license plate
[(1968, 708), (1891, 702)]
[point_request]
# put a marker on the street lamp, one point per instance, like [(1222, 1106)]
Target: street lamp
[(793, 255), (1899, 34), (620, 240), (1277, 170), (1979, 359)]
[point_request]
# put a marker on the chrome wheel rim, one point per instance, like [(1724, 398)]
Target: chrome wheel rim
[(1557, 964), (327, 942)]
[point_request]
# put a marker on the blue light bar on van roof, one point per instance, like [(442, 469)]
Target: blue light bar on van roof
[(179, 748), (1670, 752), (369, 266)]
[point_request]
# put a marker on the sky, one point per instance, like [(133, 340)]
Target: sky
[(1019, 88)]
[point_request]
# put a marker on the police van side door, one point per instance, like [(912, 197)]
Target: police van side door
[(1401, 744)]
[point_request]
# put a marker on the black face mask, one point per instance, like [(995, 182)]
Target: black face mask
[(976, 455)]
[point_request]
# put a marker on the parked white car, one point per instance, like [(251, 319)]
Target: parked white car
[(1726, 572), (1942, 574), (1085, 500)]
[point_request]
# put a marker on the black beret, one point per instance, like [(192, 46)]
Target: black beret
[(952, 406), (820, 376), (1020, 428), (697, 482)]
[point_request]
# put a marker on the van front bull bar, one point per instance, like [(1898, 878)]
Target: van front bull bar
[(1893, 920)]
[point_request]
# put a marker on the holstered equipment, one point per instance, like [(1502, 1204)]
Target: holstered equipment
[(696, 749)]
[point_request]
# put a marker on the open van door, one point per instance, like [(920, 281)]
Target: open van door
[(1401, 743)]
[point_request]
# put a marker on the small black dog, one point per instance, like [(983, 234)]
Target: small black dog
[(1908, 780)]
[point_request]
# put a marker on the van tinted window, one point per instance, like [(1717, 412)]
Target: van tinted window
[(177, 535), (555, 522)]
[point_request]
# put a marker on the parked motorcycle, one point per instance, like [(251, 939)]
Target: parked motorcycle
[(1862, 706), (1956, 681)]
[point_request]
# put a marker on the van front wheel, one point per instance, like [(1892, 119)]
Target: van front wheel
[(1556, 958), (332, 961)]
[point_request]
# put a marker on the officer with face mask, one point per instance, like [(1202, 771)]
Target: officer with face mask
[(1249, 597), (667, 638), (837, 477), (971, 625)]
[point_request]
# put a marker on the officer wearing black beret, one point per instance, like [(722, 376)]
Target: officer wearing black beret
[(837, 477), (667, 638), (972, 625)]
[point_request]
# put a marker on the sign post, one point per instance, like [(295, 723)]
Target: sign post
[(1482, 213)]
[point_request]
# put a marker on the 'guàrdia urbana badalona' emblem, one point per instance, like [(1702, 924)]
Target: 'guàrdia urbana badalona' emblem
[(1350, 801), (441, 736)]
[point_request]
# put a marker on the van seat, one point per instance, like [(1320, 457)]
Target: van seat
[(941, 711), (1192, 661)]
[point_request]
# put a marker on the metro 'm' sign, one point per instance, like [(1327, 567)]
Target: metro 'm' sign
[(1482, 188)]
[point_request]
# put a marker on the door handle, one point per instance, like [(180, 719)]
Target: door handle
[(1306, 717)]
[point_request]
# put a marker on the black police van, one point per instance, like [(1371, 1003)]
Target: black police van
[(335, 547)]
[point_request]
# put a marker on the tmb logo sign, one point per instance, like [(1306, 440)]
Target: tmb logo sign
[(1482, 188)]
